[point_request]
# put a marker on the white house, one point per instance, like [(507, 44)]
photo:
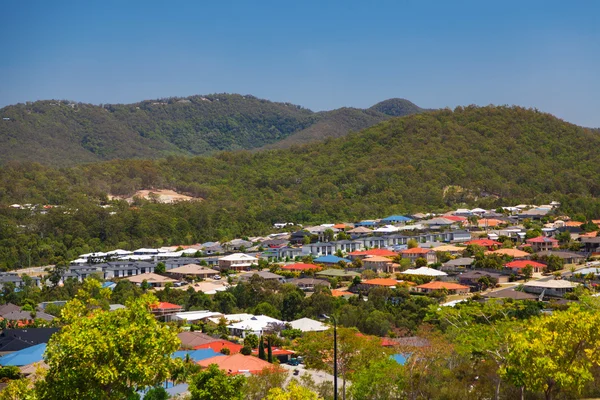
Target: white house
[(258, 325), (237, 262)]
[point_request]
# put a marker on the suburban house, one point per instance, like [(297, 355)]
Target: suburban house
[(266, 275), (309, 284), (487, 243), (458, 264), (237, 262), (308, 325), (152, 279), (395, 219), (517, 266), (192, 270), (514, 253), (425, 271), (362, 254), (256, 324), (377, 263), (301, 267), (337, 273), (451, 249), (590, 244), (567, 256), (556, 288), (237, 364), (367, 285), (360, 231), (471, 278), (330, 260), (542, 243), (450, 287), (417, 252), (165, 311)]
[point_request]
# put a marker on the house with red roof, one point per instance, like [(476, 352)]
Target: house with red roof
[(362, 254), (518, 265), (377, 263), (542, 243), (417, 252), (487, 243), (282, 355), (237, 364), (165, 311), (450, 287), (301, 267), (219, 345)]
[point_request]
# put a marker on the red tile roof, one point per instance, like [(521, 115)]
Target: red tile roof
[(217, 345), (339, 293), (381, 282), (523, 263), (301, 267), (484, 242), (237, 363), (437, 285), (416, 250), (165, 306)]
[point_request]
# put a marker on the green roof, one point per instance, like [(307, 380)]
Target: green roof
[(338, 272)]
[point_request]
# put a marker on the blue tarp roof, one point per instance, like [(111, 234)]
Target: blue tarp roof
[(26, 356), (197, 355), (330, 259), (397, 218), (399, 358)]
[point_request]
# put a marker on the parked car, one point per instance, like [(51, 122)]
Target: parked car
[(294, 362), (217, 277)]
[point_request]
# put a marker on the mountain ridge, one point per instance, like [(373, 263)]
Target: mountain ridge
[(65, 133)]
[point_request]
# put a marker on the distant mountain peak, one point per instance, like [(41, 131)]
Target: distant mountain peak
[(397, 107)]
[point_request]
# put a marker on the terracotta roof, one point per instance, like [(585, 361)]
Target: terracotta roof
[(573, 223), (484, 242), (341, 226), (276, 352), (589, 234), (381, 282), (301, 267), (490, 222), (374, 252), (515, 253), (219, 344), (437, 285), (448, 247), (523, 263), (237, 363), (165, 306), (339, 293), (416, 250)]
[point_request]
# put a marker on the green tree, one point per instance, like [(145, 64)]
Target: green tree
[(412, 243), (261, 349), (108, 355), (382, 380), (160, 268), (259, 384), (353, 352), (251, 340), (556, 352), (421, 262), (214, 384), (527, 272), (156, 393), (294, 391)]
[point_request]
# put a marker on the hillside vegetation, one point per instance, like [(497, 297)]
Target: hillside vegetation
[(488, 156), (63, 133)]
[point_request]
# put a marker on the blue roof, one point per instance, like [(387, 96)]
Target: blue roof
[(399, 358), (330, 259), (400, 218), (24, 357), (197, 355), (110, 285)]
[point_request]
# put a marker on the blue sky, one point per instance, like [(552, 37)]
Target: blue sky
[(319, 54)]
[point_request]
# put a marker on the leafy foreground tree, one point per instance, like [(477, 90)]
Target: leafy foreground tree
[(383, 380), (354, 351), (294, 391), (105, 355), (556, 353), (214, 384)]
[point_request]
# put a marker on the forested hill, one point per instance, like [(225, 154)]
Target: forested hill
[(435, 161), (64, 133)]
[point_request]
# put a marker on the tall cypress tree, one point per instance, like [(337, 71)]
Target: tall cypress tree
[(261, 349), (269, 350)]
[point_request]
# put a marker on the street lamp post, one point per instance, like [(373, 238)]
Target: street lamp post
[(335, 380)]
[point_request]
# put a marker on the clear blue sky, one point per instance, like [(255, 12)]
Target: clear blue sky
[(319, 54)]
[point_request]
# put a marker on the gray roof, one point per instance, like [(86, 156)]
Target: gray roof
[(510, 293), (561, 254), (458, 262), (262, 274), (478, 274), (26, 315)]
